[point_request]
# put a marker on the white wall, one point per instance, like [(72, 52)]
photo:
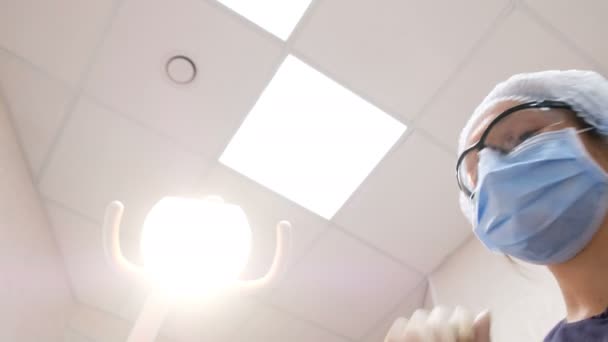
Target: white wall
[(524, 300), (35, 299)]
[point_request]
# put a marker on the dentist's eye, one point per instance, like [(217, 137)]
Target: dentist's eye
[(526, 135)]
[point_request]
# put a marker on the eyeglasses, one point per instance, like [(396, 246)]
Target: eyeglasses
[(507, 131)]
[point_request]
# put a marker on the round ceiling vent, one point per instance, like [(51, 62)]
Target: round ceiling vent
[(181, 69)]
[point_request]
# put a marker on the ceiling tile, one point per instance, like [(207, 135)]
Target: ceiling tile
[(395, 52), (97, 325), (413, 301), (584, 23), (58, 36), (344, 285), (37, 105), (102, 157), (409, 205), (72, 336), (93, 281), (234, 63), (264, 210), (213, 320), (504, 53), (271, 325), (134, 301)]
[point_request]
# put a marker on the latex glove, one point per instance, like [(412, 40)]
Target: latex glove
[(441, 325)]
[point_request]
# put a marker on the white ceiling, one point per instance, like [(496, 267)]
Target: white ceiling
[(98, 120)]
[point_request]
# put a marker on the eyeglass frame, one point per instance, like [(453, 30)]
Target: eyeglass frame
[(480, 144)]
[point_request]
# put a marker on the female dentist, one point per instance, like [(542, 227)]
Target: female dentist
[(533, 175)]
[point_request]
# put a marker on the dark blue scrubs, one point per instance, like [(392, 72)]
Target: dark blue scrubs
[(588, 330)]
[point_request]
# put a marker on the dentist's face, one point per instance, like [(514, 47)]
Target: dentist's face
[(515, 128)]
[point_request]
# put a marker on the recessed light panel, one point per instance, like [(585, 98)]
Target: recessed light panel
[(310, 139), (278, 17)]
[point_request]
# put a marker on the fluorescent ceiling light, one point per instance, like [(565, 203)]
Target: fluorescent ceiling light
[(278, 17), (310, 139)]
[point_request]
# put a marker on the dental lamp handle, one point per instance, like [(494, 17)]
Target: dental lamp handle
[(278, 263), (111, 240)]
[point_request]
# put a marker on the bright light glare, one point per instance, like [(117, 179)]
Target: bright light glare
[(278, 17), (310, 139), (194, 246)]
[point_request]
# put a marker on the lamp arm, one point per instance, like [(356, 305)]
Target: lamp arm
[(278, 263), (111, 240)]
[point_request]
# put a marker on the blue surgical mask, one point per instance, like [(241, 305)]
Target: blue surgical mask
[(543, 201)]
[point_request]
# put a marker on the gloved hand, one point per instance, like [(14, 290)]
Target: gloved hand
[(441, 325)]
